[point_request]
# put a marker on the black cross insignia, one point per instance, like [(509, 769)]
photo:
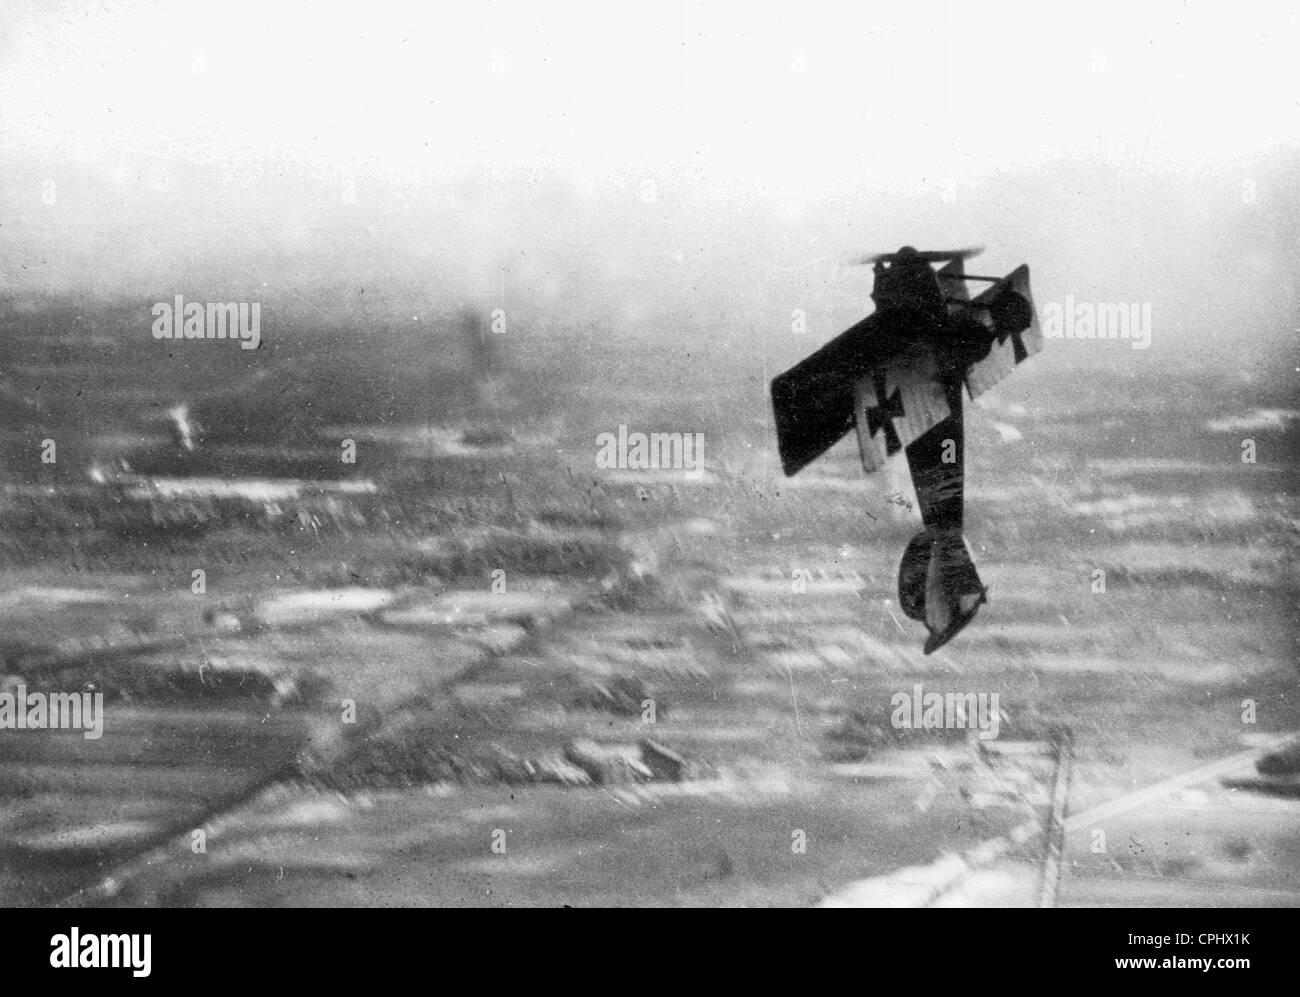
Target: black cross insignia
[(885, 410), (1018, 348), (1012, 309)]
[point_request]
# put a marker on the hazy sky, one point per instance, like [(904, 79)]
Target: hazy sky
[(1126, 150), (788, 95)]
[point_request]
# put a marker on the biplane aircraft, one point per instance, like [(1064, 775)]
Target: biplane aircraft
[(897, 376)]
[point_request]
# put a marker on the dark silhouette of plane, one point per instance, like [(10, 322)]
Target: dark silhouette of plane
[(898, 376)]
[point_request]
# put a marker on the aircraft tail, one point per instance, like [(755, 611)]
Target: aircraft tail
[(939, 586)]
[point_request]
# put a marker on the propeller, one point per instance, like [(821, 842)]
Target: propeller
[(923, 256)]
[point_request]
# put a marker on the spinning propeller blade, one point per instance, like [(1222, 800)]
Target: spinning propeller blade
[(924, 256)]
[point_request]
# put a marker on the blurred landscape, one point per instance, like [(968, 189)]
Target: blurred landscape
[(522, 706)]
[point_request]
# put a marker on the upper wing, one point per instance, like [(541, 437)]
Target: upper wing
[(813, 401), (1017, 340), (896, 403), (887, 388)]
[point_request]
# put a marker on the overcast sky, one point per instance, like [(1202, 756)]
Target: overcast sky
[(787, 94), (1098, 140)]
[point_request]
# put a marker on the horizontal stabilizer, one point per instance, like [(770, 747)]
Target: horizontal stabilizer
[(939, 586)]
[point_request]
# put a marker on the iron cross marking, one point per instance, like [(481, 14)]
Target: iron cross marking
[(1018, 349), (1016, 312), (883, 412)]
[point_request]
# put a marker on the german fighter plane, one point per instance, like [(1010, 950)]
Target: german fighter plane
[(898, 376)]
